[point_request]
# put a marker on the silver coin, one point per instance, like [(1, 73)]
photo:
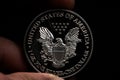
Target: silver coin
[(58, 42)]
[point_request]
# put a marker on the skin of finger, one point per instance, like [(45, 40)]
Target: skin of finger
[(3, 77), (11, 56), (66, 4), (32, 76)]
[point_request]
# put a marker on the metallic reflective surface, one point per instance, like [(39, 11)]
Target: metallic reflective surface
[(58, 42)]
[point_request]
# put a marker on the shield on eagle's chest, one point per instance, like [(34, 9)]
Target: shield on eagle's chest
[(59, 53)]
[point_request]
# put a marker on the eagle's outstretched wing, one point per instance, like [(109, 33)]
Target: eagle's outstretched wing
[(72, 35), (46, 38), (71, 40), (45, 34)]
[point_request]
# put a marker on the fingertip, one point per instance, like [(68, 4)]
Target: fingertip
[(11, 56), (64, 4)]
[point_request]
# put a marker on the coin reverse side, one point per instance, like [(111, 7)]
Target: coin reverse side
[(58, 42)]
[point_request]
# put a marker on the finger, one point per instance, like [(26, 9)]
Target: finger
[(66, 4), (10, 56), (30, 76)]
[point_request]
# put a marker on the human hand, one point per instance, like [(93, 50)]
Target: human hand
[(11, 59)]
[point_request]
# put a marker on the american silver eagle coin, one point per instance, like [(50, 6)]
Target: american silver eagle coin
[(59, 42)]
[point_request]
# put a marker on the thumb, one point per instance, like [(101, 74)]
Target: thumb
[(29, 76)]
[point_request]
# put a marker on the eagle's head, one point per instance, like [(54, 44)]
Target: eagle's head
[(59, 40)]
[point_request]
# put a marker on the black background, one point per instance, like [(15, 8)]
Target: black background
[(102, 17)]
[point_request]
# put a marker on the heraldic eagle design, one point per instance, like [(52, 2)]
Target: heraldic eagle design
[(57, 51)]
